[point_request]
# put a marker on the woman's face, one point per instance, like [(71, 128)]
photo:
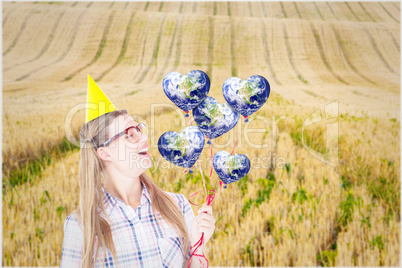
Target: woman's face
[(122, 153)]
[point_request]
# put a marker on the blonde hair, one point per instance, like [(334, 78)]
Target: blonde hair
[(91, 194)]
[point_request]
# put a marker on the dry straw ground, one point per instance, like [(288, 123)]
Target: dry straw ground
[(292, 209)]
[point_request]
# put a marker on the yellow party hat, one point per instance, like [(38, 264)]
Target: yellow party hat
[(97, 102)]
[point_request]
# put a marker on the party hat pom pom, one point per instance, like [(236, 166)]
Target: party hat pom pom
[(225, 186), (209, 141), (190, 171), (186, 114)]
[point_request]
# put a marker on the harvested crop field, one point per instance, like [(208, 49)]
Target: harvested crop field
[(339, 61)]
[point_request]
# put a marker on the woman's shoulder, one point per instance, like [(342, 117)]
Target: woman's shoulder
[(178, 197), (72, 222), (181, 200)]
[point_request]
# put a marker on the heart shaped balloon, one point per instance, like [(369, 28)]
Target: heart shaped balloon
[(186, 91), (247, 96), (182, 149), (231, 168), (214, 119)]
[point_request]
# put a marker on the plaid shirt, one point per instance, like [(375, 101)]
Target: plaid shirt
[(138, 238)]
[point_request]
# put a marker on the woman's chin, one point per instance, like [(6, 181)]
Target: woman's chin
[(147, 161)]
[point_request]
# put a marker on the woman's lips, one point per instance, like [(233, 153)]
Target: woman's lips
[(146, 154)]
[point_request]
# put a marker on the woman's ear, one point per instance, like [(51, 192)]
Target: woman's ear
[(103, 154)]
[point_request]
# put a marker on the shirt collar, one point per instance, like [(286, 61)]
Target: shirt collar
[(109, 201)]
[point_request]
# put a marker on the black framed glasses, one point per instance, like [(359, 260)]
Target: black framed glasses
[(133, 134)]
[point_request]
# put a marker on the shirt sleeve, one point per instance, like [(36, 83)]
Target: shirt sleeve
[(189, 217), (72, 244)]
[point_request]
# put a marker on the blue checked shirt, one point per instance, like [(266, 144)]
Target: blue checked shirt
[(138, 238)]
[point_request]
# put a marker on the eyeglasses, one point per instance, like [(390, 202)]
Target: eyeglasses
[(133, 134)]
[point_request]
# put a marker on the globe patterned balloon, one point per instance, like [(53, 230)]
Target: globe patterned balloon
[(214, 119), (186, 91), (231, 168), (247, 96), (182, 149)]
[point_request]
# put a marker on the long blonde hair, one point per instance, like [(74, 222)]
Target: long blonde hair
[(91, 194)]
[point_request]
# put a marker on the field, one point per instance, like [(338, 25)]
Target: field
[(322, 194)]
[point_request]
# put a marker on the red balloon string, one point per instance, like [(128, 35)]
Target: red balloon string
[(192, 196), (202, 176), (235, 142), (209, 200), (189, 119), (212, 167), (197, 245)]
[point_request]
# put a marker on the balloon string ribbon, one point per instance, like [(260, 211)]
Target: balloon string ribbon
[(238, 134), (200, 242), (203, 183), (209, 200), (197, 246), (189, 119)]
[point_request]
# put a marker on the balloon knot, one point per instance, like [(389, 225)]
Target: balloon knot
[(246, 119), (209, 141), (186, 114), (190, 171), (225, 186)]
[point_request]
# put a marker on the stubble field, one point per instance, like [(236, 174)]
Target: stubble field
[(341, 59)]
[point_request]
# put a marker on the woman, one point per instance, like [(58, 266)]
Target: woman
[(128, 221)]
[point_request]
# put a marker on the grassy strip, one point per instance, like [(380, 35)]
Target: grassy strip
[(123, 48), (162, 72), (8, 16), (318, 11), (384, 188), (346, 56), (290, 55), (232, 49), (378, 52), (297, 10), (263, 9), (69, 46), (397, 7), (20, 31), (35, 167), (210, 44), (322, 54), (266, 51), (155, 54), (181, 7), (46, 45), (178, 45), (283, 10), (266, 186), (250, 10), (332, 11), (389, 14), (100, 48), (368, 14), (351, 10), (195, 5)]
